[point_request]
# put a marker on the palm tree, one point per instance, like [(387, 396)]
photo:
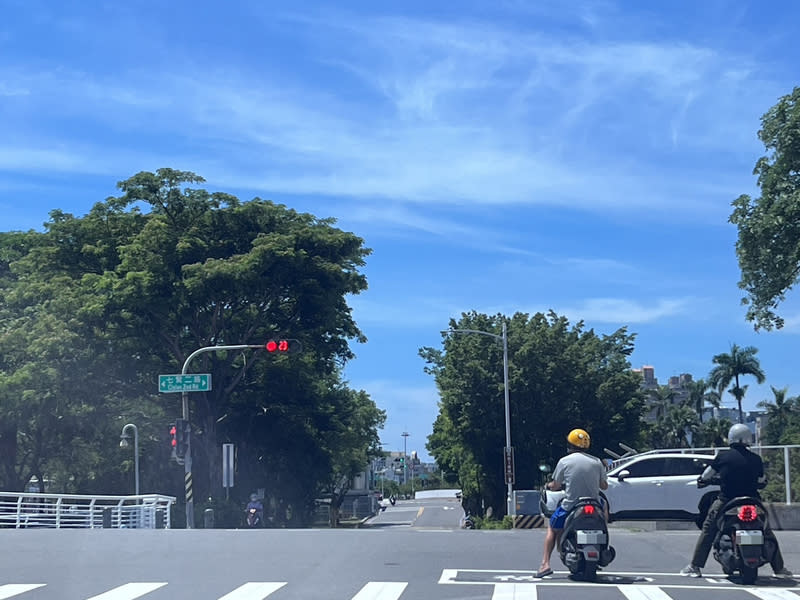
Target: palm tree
[(661, 398), (778, 413), (678, 422), (730, 366), (699, 394)]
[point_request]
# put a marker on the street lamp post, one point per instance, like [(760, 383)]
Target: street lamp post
[(405, 435), (123, 443), (503, 338)]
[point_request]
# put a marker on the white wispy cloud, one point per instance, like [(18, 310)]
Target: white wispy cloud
[(625, 311), (452, 113)]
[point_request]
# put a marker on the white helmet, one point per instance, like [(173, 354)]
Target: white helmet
[(739, 434)]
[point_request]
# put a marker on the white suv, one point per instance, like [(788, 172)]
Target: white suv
[(659, 486)]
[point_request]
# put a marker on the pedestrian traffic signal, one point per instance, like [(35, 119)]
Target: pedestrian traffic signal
[(283, 346), (179, 438)]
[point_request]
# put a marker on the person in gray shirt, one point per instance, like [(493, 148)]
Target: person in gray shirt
[(580, 475)]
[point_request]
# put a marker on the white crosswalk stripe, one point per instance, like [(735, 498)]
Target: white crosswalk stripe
[(643, 592), (773, 594), (514, 591), (129, 591), (393, 590), (12, 589), (381, 590), (254, 590)]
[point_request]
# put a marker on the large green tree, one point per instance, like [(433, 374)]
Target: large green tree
[(729, 366), (561, 376), (96, 307), (768, 246)]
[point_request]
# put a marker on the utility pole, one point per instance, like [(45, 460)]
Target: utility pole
[(508, 450), (405, 435)]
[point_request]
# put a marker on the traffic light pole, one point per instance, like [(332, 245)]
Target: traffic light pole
[(187, 464)]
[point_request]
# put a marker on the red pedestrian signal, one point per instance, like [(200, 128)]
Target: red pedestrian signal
[(178, 438), (283, 346)]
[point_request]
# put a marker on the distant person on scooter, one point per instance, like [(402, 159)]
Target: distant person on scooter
[(741, 473), (255, 503), (580, 475)]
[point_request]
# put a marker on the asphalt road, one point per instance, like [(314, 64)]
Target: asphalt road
[(410, 554)]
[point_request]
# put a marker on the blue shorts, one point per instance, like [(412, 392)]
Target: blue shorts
[(558, 518)]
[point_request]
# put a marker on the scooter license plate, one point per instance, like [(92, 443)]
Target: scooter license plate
[(749, 538), (590, 537)]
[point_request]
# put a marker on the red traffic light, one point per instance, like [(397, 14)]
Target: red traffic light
[(283, 346)]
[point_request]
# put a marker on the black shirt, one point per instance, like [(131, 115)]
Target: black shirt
[(739, 470)]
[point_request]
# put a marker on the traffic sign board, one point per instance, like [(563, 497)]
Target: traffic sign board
[(195, 382), (509, 464)]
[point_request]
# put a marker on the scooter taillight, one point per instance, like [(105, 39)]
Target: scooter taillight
[(747, 513), (588, 509)]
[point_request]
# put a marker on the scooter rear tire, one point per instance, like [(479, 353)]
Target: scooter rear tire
[(589, 571), (749, 575)]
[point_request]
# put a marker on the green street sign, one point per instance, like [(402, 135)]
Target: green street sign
[(196, 382)]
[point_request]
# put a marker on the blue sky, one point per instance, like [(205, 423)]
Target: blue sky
[(500, 156)]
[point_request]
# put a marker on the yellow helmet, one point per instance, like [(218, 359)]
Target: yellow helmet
[(579, 438)]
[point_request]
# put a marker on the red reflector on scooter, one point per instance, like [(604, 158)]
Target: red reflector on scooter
[(748, 513), (588, 509), (593, 554)]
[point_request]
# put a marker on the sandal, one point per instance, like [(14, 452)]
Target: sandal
[(543, 573)]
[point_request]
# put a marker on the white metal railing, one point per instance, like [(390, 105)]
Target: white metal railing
[(61, 511), (760, 450)]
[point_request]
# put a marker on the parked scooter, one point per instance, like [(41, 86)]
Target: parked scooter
[(467, 522), (253, 518), (740, 545), (584, 543)]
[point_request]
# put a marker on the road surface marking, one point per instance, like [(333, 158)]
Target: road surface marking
[(12, 589), (129, 591), (767, 594), (448, 575), (381, 590), (254, 590), (514, 591), (643, 592)]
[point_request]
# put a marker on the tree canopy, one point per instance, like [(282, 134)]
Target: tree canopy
[(768, 246), (561, 376), (95, 307)]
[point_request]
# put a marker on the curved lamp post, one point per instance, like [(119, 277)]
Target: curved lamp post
[(123, 443), (503, 338)]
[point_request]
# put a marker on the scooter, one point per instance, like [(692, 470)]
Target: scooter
[(583, 544), (253, 518), (468, 523), (739, 545)]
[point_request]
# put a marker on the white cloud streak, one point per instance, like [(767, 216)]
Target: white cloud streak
[(467, 113), (623, 311)]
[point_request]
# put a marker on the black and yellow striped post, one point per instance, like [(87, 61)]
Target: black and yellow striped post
[(187, 479), (528, 521)]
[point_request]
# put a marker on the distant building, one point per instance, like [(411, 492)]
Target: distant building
[(679, 384)]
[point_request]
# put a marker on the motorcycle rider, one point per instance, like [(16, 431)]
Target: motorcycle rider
[(741, 473), (255, 503), (580, 475)]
